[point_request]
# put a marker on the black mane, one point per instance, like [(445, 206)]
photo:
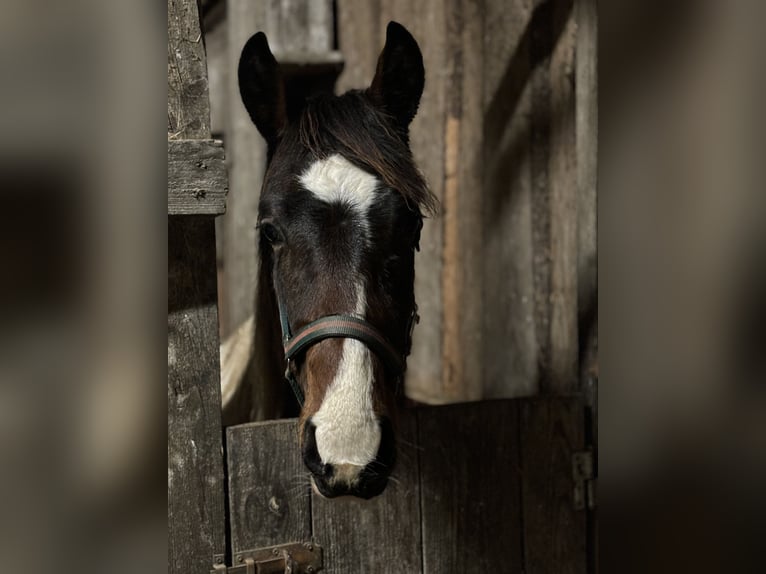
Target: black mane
[(357, 129)]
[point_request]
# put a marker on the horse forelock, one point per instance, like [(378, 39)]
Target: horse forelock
[(358, 130)]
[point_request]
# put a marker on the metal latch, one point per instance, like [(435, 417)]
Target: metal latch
[(582, 474), (291, 558)]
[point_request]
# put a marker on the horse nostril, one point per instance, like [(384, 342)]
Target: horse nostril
[(311, 457)]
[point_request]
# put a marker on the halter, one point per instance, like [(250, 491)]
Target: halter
[(341, 327)]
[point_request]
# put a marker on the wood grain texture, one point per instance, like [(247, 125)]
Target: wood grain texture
[(563, 203), (507, 276), (376, 536), (197, 180), (554, 533), (554, 197), (463, 200), (188, 104), (269, 501), (195, 458), (196, 528), (470, 482), (586, 86)]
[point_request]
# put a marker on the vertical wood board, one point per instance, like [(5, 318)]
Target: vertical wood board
[(507, 278), (586, 85), (188, 104), (269, 500), (563, 179), (196, 515), (470, 482), (195, 457), (554, 533)]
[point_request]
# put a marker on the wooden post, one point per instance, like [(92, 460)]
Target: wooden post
[(586, 86), (195, 186)]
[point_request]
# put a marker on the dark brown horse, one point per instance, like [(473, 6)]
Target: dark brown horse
[(340, 215)]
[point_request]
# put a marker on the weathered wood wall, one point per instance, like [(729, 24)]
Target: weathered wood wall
[(196, 528), (505, 135), (481, 487), (496, 136)]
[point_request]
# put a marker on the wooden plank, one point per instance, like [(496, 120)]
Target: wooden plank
[(554, 533), (196, 528), (462, 205), (539, 27), (470, 488), (586, 86), (188, 104), (195, 461), (563, 179), (269, 501), (509, 353), (197, 180), (554, 198), (380, 535)]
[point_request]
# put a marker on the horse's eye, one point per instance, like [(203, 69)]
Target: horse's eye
[(271, 233)]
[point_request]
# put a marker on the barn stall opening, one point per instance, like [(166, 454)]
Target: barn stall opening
[(505, 283)]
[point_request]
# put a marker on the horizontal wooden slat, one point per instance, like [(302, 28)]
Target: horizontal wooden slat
[(197, 179)]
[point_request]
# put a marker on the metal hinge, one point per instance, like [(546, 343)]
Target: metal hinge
[(582, 473), (291, 558)]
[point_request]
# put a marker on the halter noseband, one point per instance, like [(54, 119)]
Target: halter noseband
[(340, 327)]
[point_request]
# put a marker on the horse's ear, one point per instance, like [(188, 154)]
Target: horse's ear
[(400, 76), (262, 88)]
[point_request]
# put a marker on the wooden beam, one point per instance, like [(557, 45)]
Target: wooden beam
[(586, 87), (196, 516), (188, 103), (509, 349), (197, 180), (562, 174), (195, 461)]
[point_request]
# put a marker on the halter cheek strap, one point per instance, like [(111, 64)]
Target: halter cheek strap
[(339, 327)]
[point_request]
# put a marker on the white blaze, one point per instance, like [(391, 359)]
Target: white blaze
[(337, 180), (347, 430)]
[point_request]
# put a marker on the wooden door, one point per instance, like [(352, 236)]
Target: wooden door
[(479, 487)]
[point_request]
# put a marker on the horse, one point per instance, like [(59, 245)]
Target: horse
[(339, 220)]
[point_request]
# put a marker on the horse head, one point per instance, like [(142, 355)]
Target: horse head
[(340, 215)]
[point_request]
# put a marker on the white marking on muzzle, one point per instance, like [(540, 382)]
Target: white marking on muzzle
[(347, 430)]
